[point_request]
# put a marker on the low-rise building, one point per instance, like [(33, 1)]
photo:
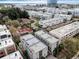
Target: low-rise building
[(23, 31), (66, 31), (75, 12), (41, 15), (63, 16), (35, 48), (7, 47), (60, 11), (15, 55), (50, 22), (4, 33), (49, 40)]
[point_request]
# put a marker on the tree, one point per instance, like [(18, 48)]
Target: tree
[(8, 22), (3, 12), (25, 14), (72, 45), (15, 23), (12, 14), (18, 10), (58, 49)]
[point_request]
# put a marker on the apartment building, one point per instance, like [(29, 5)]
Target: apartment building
[(66, 31), (49, 40), (63, 16), (35, 48), (74, 11), (40, 14), (50, 22), (15, 55), (4, 33), (7, 47)]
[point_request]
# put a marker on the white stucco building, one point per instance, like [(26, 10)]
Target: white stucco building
[(50, 22), (4, 33), (35, 48), (66, 31), (49, 40)]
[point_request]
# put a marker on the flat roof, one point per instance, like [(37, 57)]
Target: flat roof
[(4, 30), (64, 30), (33, 43), (3, 27), (15, 55), (38, 47), (27, 37), (52, 21), (46, 37), (7, 32), (30, 40), (62, 16), (6, 43)]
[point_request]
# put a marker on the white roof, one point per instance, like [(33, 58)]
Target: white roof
[(51, 22), (3, 27), (64, 30), (7, 32), (15, 55), (4, 30), (46, 37), (27, 37), (38, 47), (64, 16), (32, 41), (6, 43), (39, 32), (40, 14)]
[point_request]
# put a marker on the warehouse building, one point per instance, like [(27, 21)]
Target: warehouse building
[(35, 48), (66, 31), (50, 41)]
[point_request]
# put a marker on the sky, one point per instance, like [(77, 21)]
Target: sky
[(43, 1)]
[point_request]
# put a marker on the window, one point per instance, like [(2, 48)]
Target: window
[(2, 53), (3, 36), (9, 35)]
